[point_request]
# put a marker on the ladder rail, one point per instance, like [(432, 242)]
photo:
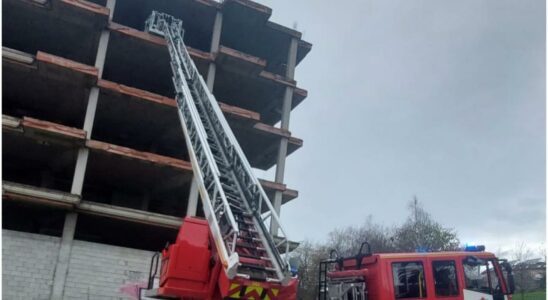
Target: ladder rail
[(204, 168), (192, 92), (270, 213)]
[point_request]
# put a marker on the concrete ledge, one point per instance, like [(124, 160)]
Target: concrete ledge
[(119, 28), (89, 7), (17, 56), (239, 112), (56, 66), (139, 94), (139, 155), (271, 187), (284, 29), (153, 39), (278, 79), (252, 5), (54, 129), (44, 130), (239, 61), (32, 194), (128, 214), (11, 123)]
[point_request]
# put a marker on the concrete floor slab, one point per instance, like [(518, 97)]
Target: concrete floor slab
[(150, 123), (141, 60), (128, 178), (128, 233), (263, 94), (140, 120), (240, 78), (38, 161), (263, 38), (29, 26), (58, 95)]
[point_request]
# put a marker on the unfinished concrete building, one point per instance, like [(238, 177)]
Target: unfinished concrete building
[(95, 167)]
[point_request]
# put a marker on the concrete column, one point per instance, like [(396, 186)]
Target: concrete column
[(61, 268), (83, 153), (282, 150), (192, 205), (215, 43)]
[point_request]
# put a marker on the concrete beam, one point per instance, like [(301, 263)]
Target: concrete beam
[(44, 131), (59, 67), (52, 129), (155, 40), (11, 123), (129, 214), (26, 193), (239, 112), (32, 194), (18, 56), (139, 155)]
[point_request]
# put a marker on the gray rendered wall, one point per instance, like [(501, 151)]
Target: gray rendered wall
[(96, 271), (99, 271), (28, 263)]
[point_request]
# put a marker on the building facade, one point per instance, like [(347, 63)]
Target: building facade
[(95, 168)]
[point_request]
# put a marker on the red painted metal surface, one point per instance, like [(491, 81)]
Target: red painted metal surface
[(191, 270), (377, 271)]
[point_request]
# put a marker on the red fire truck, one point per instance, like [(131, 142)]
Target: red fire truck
[(470, 274)]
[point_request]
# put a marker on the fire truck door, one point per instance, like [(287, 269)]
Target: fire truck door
[(445, 280)]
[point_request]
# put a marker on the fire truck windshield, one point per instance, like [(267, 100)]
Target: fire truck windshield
[(481, 276)]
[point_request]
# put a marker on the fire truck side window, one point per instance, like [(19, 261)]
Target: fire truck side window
[(409, 280), (445, 278)]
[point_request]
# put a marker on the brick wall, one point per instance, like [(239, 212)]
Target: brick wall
[(99, 271), (28, 264)]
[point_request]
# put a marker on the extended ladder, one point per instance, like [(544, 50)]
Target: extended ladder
[(235, 204)]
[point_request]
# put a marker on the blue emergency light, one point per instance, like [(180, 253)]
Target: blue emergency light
[(474, 248)]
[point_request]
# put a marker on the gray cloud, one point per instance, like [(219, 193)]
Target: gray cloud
[(445, 100)]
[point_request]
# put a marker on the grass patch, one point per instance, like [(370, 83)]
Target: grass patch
[(536, 295)]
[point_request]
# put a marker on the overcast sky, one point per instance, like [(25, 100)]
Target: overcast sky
[(444, 100)]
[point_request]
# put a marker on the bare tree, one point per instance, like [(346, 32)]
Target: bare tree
[(523, 276), (421, 231)]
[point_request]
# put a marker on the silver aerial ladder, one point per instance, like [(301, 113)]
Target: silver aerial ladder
[(235, 204)]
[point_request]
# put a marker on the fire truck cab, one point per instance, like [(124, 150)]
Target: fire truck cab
[(471, 274)]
